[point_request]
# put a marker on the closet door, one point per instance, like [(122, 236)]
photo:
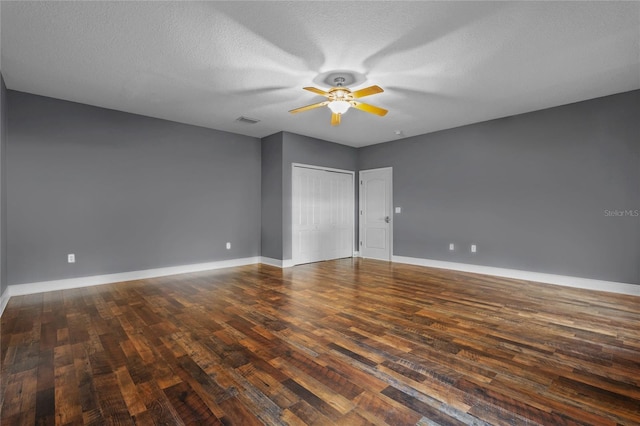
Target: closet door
[(307, 215), (323, 210), (340, 215)]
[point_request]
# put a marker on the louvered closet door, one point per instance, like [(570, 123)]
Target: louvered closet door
[(307, 215), (340, 215), (323, 208)]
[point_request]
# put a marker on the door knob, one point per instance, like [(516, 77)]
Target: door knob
[(387, 219)]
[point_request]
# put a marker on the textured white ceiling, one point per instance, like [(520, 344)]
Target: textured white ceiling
[(442, 64)]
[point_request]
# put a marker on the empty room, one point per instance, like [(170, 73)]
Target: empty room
[(319, 212)]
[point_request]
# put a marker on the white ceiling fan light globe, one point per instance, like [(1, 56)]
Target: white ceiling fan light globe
[(339, 107)]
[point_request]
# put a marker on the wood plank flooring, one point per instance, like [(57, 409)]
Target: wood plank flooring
[(343, 342)]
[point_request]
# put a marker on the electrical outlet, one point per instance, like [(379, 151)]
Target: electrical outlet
[(398, 209), (452, 247), (228, 246), (474, 248), (71, 258)]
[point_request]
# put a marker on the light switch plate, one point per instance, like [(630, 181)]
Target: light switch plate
[(398, 209)]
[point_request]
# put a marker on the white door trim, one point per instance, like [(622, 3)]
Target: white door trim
[(353, 191), (391, 213), (328, 169)]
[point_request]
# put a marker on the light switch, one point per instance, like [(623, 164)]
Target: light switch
[(398, 209)]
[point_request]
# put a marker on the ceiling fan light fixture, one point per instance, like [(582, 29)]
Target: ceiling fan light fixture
[(340, 99), (339, 107)]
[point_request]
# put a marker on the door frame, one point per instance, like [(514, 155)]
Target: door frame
[(353, 189), (391, 210)]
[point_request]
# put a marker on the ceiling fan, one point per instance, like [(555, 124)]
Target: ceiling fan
[(340, 99)]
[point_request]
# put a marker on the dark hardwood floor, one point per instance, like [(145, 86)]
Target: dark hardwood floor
[(344, 342)]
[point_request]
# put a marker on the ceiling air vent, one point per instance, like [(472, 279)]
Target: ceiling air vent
[(247, 120)]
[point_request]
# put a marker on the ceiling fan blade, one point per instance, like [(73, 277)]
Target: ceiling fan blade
[(371, 90), (370, 108), (308, 107), (317, 91), (335, 119)]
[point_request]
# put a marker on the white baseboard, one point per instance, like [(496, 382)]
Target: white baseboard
[(4, 299), (39, 287), (567, 281), (70, 283), (287, 263), (272, 262)]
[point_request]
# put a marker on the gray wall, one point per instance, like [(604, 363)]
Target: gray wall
[(530, 190), (3, 192), (316, 152), (271, 236), (123, 192)]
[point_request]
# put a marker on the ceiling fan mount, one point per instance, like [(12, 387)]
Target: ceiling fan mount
[(351, 78), (341, 98)]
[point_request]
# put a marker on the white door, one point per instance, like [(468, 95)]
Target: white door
[(307, 214), (340, 212), (322, 213), (376, 228)]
